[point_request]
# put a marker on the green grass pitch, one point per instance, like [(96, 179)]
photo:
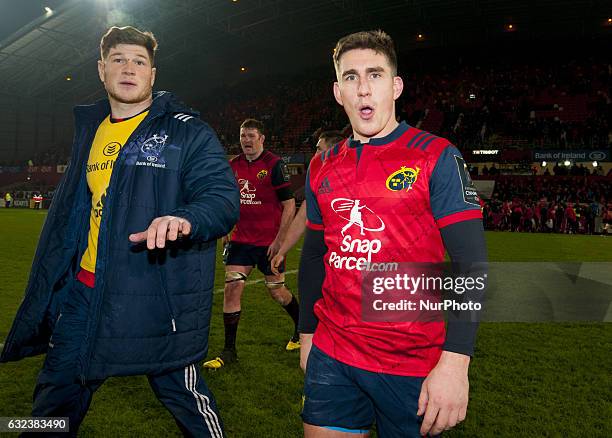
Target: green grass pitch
[(544, 379)]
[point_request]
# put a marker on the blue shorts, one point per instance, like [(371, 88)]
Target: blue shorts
[(342, 397), (242, 254)]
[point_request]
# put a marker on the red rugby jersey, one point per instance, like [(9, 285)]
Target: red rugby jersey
[(381, 202), (260, 208)]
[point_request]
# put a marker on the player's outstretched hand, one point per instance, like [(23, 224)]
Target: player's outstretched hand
[(275, 263), (162, 229), (444, 394)]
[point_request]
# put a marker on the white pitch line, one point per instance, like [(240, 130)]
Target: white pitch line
[(260, 280)]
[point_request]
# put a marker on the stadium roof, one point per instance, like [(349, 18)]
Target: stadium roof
[(205, 42)]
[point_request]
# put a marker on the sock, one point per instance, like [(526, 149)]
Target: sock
[(230, 321), (293, 309)]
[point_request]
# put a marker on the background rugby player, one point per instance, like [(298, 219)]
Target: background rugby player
[(267, 207)]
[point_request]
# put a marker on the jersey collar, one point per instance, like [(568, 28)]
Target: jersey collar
[(256, 159), (380, 141)]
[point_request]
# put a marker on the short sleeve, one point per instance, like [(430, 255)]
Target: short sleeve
[(280, 175), (313, 212), (453, 195)]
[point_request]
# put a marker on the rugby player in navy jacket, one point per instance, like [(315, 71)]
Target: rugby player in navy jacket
[(122, 279)]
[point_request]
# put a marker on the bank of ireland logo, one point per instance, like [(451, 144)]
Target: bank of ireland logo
[(403, 179), (111, 149), (153, 147), (357, 214), (597, 156)]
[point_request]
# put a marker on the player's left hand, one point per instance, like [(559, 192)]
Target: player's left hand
[(161, 229), (275, 263), (444, 394), (273, 249)]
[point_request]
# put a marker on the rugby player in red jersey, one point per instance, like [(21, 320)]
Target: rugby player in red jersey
[(267, 207), (390, 193)]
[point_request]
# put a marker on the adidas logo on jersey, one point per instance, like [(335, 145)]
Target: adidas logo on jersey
[(325, 187)]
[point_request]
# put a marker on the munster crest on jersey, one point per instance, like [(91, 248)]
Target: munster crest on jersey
[(403, 179), (262, 174), (153, 147)]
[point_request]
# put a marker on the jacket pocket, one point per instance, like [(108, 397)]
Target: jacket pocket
[(169, 305)]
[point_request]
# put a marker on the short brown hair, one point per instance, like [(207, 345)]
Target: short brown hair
[(376, 40), (332, 137), (253, 124), (128, 35)]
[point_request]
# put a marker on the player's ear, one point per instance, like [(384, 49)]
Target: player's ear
[(337, 94), (398, 87), (101, 70), (153, 73)]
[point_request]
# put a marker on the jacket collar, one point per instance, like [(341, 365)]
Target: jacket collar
[(163, 102)]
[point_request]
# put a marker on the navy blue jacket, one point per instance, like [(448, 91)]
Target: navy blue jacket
[(150, 310)]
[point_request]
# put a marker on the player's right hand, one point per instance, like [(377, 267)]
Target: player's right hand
[(305, 347), (275, 263), (162, 229)]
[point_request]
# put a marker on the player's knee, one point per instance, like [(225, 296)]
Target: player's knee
[(275, 285), (235, 276), (279, 292)]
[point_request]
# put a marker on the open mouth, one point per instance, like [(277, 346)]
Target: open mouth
[(366, 111)]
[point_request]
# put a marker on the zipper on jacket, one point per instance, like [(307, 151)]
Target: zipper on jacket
[(162, 279), (160, 271)]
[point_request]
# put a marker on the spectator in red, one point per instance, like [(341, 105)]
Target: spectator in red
[(572, 222)]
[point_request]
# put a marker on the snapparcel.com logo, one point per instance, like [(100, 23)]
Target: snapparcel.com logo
[(356, 253), (247, 192)]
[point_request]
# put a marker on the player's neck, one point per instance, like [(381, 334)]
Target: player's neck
[(120, 110), (388, 129), (253, 157)]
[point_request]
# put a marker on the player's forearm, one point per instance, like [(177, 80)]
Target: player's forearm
[(298, 225), (310, 278), (211, 197), (466, 247), (286, 218)]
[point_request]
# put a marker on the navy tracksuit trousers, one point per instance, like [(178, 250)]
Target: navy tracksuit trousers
[(60, 393)]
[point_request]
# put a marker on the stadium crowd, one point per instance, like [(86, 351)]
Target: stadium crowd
[(567, 106), (548, 105), (550, 204), (517, 105)]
